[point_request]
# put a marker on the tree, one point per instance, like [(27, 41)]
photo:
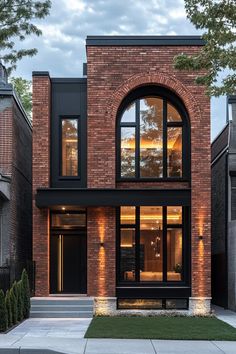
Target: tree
[(13, 306), (20, 305), (16, 22), (23, 90), (8, 307), (26, 294), (3, 313), (218, 19)]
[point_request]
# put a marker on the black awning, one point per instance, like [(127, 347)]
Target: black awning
[(51, 197)]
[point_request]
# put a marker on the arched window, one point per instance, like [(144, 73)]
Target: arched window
[(153, 136)]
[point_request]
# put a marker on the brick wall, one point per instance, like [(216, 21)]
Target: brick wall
[(15, 162), (41, 177), (112, 73)]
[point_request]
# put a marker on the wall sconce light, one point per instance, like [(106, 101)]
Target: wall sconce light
[(101, 244), (200, 237)]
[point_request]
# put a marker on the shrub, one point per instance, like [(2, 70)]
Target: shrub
[(8, 307), (25, 294), (13, 306), (20, 301), (3, 313), (16, 293)]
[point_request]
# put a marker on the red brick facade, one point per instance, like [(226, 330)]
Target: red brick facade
[(113, 72), (41, 178)]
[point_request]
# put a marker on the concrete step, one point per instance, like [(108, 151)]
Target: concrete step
[(64, 307), (61, 314)]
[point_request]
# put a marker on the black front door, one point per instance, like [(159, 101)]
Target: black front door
[(68, 258)]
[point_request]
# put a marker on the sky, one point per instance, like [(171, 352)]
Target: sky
[(61, 48)]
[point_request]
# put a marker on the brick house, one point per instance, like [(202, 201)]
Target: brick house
[(15, 181), (121, 178)]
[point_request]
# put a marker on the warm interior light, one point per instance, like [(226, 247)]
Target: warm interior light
[(147, 144), (63, 208)]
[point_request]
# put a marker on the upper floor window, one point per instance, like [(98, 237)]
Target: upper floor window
[(150, 133), (69, 147)]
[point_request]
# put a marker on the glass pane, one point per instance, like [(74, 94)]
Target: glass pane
[(172, 114), (69, 147), (151, 239), (151, 132), (127, 152), (174, 152), (177, 304), (129, 114), (127, 254), (127, 215), (174, 254), (174, 215), (68, 220)]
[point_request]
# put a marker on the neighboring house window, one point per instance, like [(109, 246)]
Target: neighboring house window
[(150, 137), (151, 242), (233, 198), (69, 147)]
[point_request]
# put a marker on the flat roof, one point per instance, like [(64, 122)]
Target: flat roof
[(144, 41)]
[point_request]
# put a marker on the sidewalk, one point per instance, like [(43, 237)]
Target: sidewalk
[(225, 315), (46, 345)]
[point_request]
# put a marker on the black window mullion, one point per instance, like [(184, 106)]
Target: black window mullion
[(164, 216), (137, 142), (164, 138), (137, 245)]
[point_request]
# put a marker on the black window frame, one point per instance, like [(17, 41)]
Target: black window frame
[(186, 249), (167, 97), (78, 176)]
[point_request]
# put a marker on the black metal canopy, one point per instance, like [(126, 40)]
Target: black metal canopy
[(51, 197)]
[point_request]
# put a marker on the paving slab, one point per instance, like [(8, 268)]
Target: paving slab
[(225, 315), (119, 346), (7, 340), (185, 347), (226, 347)]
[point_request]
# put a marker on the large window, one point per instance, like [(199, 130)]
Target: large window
[(151, 244), (69, 147), (150, 133)]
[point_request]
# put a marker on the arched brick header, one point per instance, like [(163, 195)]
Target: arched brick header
[(161, 79)]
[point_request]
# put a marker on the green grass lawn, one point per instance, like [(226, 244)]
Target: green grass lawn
[(161, 327)]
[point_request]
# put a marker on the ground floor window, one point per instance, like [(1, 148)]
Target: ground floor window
[(152, 304), (151, 244)]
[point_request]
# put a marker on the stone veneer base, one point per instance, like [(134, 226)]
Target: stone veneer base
[(107, 306)]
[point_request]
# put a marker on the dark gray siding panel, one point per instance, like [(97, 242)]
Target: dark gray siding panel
[(220, 143), (69, 98), (219, 219)]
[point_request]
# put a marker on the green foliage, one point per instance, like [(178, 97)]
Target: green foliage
[(16, 293), (218, 19), (8, 307), (16, 22), (3, 313), (20, 303), (23, 90), (25, 294), (13, 306)]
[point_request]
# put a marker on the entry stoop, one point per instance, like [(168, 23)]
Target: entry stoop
[(64, 307)]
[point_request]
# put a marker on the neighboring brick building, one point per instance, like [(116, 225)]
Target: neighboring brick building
[(15, 180), (121, 178), (223, 169)]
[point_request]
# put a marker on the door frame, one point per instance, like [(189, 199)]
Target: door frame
[(76, 231)]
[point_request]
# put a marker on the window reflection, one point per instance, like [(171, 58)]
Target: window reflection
[(129, 114), (127, 152), (174, 152), (151, 137), (69, 147), (174, 254), (151, 239), (172, 114), (127, 254)]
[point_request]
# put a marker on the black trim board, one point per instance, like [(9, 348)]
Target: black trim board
[(153, 292), (51, 197), (144, 41)]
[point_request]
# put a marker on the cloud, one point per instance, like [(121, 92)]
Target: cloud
[(61, 48)]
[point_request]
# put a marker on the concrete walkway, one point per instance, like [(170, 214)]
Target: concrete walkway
[(225, 315), (29, 345)]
